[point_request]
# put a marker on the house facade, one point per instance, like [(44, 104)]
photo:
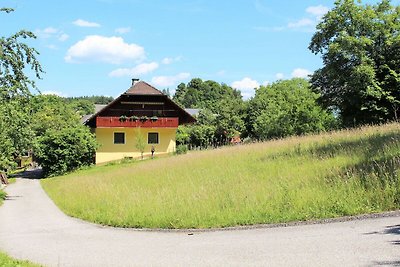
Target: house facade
[(141, 118)]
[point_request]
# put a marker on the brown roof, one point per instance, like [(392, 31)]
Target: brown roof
[(143, 88), (140, 90)]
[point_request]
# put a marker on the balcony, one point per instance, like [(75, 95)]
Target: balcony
[(108, 122)]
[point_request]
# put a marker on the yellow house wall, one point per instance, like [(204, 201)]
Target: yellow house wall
[(108, 151)]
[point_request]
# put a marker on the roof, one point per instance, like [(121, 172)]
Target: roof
[(142, 88), (192, 111), (98, 107), (139, 90)]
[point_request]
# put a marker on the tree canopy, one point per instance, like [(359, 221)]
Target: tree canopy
[(360, 48), (48, 123), (286, 107)]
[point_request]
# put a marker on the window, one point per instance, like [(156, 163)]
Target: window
[(119, 138), (152, 138)]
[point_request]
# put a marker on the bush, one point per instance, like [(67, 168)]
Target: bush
[(62, 151), (181, 149), (2, 195)]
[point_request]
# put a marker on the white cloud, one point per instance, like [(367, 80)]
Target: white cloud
[(46, 33), (57, 93), (85, 23), (246, 86), (136, 71), (51, 32), (245, 83), (170, 60), (307, 23), (265, 83), (123, 30), (317, 11), (301, 23), (63, 37), (301, 73), (221, 72), (96, 48), (52, 47), (279, 76), (165, 81)]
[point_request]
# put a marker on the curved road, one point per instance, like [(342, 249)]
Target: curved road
[(33, 228)]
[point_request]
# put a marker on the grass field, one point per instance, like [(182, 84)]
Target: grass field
[(6, 261), (300, 178)]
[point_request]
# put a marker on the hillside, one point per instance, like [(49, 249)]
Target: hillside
[(301, 178)]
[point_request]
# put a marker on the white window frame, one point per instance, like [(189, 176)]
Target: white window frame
[(119, 143), (158, 138)]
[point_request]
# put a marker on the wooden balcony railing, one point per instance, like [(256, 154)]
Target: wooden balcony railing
[(117, 122)]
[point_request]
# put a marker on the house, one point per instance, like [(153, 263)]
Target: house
[(141, 113)]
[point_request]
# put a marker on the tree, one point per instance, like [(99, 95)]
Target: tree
[(50, 112), (140, 142), (15, 90), (15, 56), (286, 107), (360, 48), (61, 151), (222, 111)]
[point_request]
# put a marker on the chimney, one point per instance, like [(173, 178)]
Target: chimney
[(134, 80)]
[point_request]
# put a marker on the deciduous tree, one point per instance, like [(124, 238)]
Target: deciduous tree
[(360, 48)]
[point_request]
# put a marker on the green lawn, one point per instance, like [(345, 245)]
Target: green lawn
[(6, 261), (299, 178)]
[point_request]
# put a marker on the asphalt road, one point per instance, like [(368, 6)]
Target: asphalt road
[(33, 228)]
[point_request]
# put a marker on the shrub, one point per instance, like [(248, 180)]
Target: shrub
[(62, 151), (143, 118), (181, 149), (134, 118), (2, 195), (123, 118)]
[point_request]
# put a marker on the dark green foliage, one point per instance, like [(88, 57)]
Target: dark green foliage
[(50, 112), (93, 99), (221, 116), (2, 196), (60, 151), (181, 149), (15, 85), (360, 48), (84, 105), (286, 108), (16, 135)]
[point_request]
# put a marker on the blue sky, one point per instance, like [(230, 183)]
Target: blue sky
[(95, 47)]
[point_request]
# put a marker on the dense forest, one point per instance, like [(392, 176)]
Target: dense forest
[(359, 83)]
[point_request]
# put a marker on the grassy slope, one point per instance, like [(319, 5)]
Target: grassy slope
[(302, 178)]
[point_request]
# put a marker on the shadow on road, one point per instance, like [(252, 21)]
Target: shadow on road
[(389, 230), (386, 263), (29, 174)]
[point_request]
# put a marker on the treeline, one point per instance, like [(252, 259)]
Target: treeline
[(84, 105), (286, 107), (49, 126)]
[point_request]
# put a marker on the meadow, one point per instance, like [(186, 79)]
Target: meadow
[(329, 175)]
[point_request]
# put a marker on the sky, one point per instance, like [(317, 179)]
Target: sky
[(95, 47)]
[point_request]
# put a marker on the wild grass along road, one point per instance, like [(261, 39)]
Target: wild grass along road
[(32, 227)]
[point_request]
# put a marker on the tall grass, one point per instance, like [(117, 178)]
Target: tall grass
[(2, 196), (300, 178), (6, 261)]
